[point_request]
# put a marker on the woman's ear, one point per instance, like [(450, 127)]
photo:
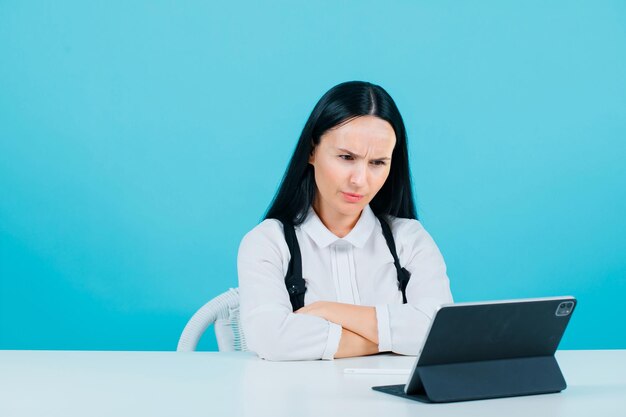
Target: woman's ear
[(312, 155)]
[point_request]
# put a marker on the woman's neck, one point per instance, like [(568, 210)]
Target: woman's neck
[(339, 225)]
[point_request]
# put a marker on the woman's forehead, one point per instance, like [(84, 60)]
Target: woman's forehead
[(367, 132)]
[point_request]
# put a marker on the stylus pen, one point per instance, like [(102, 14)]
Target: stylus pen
[(377, 371)]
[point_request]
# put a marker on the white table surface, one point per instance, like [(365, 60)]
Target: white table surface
[(81, 383)]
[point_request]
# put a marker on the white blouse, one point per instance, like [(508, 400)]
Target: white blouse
[(356, 269)]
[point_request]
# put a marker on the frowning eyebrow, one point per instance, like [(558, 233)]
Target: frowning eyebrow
[(360, 156)]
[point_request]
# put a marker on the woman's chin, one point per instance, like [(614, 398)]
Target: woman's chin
[(350, 209)]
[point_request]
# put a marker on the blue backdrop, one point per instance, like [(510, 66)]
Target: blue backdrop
[(139, 142)]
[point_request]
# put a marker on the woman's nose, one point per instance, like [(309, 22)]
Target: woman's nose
[(357, 176)]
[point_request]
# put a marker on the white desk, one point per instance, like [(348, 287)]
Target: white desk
[(115, 384)]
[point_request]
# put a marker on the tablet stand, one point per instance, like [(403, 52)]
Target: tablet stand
[(488, 379)]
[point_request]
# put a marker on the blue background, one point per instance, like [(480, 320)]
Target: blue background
[(139, 142)]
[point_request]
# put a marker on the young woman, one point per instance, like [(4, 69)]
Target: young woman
[(337, 287)]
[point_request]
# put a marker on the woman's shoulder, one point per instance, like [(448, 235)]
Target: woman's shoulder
[(400, 225), (267, 235), (408, 231), (412, 240), (268, 229)]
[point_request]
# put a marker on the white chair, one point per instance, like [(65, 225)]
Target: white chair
[(223, 311)]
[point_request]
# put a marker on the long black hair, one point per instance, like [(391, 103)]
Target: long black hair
[(342, 103)]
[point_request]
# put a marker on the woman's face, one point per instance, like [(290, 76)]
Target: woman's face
[(351, 164)]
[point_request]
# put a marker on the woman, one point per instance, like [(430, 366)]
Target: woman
[(333, 289)]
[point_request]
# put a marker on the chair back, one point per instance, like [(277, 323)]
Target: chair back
[(223, 312)]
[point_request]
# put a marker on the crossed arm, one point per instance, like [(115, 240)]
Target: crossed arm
[(359, 336)]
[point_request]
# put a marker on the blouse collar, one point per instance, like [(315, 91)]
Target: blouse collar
[(323, 237)]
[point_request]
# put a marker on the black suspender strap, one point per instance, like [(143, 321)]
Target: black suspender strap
[(296, 287), (403, 275)]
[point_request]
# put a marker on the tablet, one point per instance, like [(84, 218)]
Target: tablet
[(489, 350)]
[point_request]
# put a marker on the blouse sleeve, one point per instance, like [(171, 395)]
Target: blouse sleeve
[(402, 327), (271, 328)]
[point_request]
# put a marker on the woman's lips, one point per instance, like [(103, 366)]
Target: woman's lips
[(352, 198)]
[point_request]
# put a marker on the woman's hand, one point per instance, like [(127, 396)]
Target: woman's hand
[(318, 308), (352, 344), (358, 319)]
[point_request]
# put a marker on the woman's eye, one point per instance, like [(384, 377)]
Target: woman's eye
[(346, 157), (378, 163)]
